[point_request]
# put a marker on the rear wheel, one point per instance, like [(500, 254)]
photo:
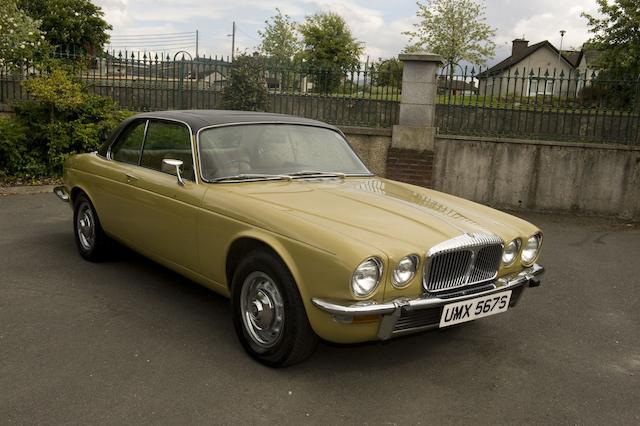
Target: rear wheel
[(89, 236), (268, 313)]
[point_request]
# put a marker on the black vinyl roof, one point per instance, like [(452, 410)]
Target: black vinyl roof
[(199, 118)]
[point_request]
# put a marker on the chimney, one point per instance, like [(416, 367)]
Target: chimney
[(519, 45)]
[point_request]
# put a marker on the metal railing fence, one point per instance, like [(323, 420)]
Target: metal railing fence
[(363, 96), (576, 105)]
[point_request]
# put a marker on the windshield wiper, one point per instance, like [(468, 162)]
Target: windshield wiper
[(251, 177), (315, 173)]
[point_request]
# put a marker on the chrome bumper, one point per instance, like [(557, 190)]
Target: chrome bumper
[(61, 192), (392, 310)]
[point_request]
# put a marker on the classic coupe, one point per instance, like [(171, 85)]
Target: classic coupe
[(279, 214)]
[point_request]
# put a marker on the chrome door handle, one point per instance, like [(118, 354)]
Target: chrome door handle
[(130, 178)]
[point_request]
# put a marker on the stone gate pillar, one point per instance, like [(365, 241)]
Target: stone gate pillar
[(410, 157)]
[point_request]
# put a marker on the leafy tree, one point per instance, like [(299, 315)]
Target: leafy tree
[(617, 37), (454, 29), (330, 49), (280, 39), (20, 37), (387, 73), (77, 25), (247, 88)]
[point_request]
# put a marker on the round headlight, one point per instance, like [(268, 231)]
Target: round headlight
[(510, 252), (531, 249), (366, 277), (405, 270)]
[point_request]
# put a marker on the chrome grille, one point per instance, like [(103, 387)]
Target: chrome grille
[(462, 261)]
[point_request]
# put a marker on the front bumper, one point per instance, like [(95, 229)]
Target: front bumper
[(62, 193), (426, 308)]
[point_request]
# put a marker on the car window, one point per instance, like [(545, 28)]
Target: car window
[(127, 147), (275, 149), (168, 140)]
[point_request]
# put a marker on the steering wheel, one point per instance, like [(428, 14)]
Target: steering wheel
[(234, 161)]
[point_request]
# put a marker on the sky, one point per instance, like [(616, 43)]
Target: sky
[(152, 24)]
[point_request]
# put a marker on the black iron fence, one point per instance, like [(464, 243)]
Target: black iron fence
[(576, 105), (363, 96), (573, 105)]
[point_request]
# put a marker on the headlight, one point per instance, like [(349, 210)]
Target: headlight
[(366, 277), (405, 270), (510, 252), (531, 249)]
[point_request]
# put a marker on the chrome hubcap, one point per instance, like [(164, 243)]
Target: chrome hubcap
[(86, 227), (262, 310)]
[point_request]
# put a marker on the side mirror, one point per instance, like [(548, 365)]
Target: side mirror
[(175, 164)]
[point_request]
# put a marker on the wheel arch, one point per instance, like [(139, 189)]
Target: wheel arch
[(247, 242), (77, 191)]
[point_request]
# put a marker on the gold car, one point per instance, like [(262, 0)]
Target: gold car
[(279, 214)]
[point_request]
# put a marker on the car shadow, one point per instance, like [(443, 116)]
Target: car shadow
[(207, 316)]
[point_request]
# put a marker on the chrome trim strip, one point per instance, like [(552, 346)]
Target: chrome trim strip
[(196, 172), (463, 242), (61, 192), (214, 126), (533, 273)]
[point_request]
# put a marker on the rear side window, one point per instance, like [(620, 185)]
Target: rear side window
[(127, 147), (168, 140)]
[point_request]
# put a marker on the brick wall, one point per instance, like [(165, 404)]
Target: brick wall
[(410, 166)]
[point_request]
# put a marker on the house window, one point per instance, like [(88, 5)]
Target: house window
[(540, 86)]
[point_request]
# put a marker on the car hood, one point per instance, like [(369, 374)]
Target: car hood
[(381, 212)]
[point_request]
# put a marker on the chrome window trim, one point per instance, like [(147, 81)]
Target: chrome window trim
[(149, 118), (470, 242), (242, 123)]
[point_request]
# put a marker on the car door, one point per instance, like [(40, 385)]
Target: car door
[(167, 210), (113, 194)]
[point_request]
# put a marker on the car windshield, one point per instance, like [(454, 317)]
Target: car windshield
[(268, 151)]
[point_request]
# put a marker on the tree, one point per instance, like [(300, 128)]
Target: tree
[(280, 39), (387, 73), (453, 29), (247, 88), (77, 25), (330, 49), (617, 37), (20, 37)]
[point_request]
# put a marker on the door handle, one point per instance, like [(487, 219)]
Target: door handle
[(130, 178)]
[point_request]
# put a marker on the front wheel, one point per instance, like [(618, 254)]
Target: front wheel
[(268, 313)]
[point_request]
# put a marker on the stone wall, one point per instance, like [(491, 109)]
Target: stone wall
[(590, 179), (371, 145), (516, 174)]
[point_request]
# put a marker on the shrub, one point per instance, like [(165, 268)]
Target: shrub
[(61, 120), (16, 159), (247, 86)]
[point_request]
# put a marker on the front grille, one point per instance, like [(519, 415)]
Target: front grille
[(415, 319), (462, 261)]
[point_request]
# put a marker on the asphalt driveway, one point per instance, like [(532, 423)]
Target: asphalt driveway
[(128, 342)]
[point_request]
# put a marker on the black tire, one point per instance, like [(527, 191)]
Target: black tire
[(91, 247), (296, 341)]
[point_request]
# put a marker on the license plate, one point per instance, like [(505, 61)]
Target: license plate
[(469, 310)]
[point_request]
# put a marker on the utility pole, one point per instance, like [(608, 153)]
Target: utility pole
[(196, 64), (233, 41)]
